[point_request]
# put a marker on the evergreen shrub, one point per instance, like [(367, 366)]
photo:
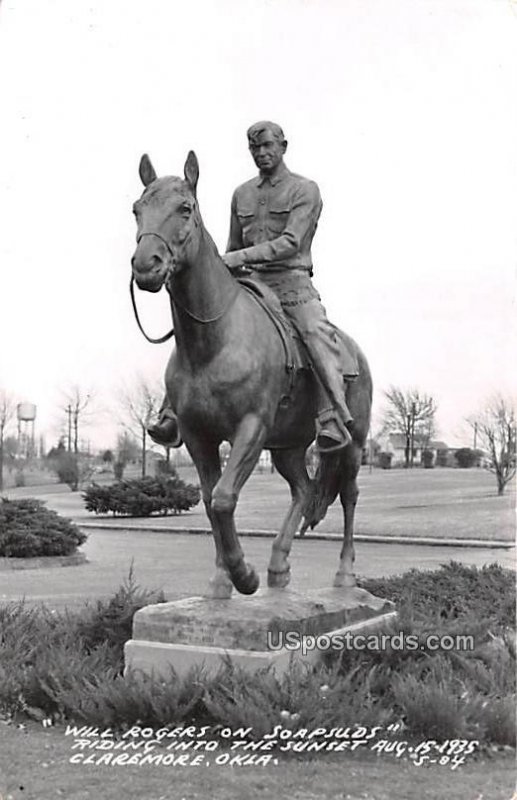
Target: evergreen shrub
[(28, 529), (142, 497)]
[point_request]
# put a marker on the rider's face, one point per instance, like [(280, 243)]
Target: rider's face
[(267, 152)]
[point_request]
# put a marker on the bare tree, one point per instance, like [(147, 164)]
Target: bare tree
[(412, 414), (126, 450), (140, 405), (495, 428), (76, 401), (7, 412)]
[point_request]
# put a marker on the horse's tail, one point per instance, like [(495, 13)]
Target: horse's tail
[(323, 492)]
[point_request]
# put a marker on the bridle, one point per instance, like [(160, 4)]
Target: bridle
[(170, 334)]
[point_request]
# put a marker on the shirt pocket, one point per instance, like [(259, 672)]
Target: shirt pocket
[(246, 218), (278, 215)]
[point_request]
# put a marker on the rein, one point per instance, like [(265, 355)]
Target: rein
[(161, 339), (211, 319)]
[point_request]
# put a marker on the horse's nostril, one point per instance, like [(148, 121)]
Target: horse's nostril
[(144, 265)]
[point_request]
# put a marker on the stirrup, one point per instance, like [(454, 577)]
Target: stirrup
[(331, 448), (334, 443)]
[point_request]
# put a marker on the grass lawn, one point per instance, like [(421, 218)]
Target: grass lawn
[(440, 503), (34, 766)]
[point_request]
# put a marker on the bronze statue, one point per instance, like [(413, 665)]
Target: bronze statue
[(238, 375), (273, 221)]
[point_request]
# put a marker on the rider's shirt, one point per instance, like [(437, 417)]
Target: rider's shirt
[(273, 221)]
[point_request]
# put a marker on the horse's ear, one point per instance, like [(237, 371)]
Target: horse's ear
[(192, 170), (146, 170)]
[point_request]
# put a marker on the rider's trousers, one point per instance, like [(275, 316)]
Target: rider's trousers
[(327, 357)]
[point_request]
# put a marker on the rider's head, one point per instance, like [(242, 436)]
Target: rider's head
[(267, 145)]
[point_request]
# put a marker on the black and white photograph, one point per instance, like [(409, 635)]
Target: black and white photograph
[(258, 421)]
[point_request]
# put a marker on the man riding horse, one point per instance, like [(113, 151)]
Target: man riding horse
[(273, 221)]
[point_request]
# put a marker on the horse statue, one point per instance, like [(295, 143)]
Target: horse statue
[(232, 378)]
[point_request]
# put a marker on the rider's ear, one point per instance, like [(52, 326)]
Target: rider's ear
[(146, 170), (192, 170)]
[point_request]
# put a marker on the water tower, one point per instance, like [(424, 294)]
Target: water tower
[(26, 413)]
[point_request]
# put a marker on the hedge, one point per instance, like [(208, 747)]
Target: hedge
[(28, 529), (142, 497)]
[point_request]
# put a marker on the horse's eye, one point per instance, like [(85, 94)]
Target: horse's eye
[(185, 208)]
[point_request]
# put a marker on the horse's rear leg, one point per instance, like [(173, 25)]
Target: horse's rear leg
[(291, 466), (246, 448), (348, 494)]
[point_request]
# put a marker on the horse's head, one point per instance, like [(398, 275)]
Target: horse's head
[(167, 218)]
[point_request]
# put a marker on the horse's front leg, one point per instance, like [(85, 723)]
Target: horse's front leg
[(246, 449), (205, 455)]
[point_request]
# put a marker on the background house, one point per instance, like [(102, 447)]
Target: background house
[(396, 443)]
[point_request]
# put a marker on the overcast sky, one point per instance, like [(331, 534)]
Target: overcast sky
[(403, 111)]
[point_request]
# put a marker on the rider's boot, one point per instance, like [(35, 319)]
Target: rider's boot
[(332, 435), (166, 432), (334, 420)]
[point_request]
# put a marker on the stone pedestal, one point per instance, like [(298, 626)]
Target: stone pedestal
[(201, 631)]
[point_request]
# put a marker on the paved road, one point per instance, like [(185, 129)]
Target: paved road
[(181, 565)]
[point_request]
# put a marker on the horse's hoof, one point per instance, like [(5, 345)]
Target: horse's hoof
[(220, 586), (278, 580), (345, 580), (244, 578)]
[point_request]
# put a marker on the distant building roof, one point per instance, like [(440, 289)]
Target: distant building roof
[(398, 440)]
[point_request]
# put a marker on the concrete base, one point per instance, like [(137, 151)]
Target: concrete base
[(201, 632)]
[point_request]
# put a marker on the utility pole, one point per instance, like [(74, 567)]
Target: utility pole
[(474, 446), (408, 440), (412, 428)]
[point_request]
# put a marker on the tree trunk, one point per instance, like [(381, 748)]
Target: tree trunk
[(1, 461), (406, 452), (143, 452)]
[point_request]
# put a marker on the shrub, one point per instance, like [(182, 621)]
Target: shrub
[(67, 470), (19, 478), (142, 497), (69, 665), (29, 529), (466, 457), (455, 593), (442, 458), (110, 622), (316, 697), (385, 460), (428, 459), (118, 469), (165, 468)]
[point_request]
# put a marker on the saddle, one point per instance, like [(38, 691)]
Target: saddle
[(296, 354)]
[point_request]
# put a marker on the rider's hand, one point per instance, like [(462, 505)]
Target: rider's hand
[(235, 263), (233, 260)]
